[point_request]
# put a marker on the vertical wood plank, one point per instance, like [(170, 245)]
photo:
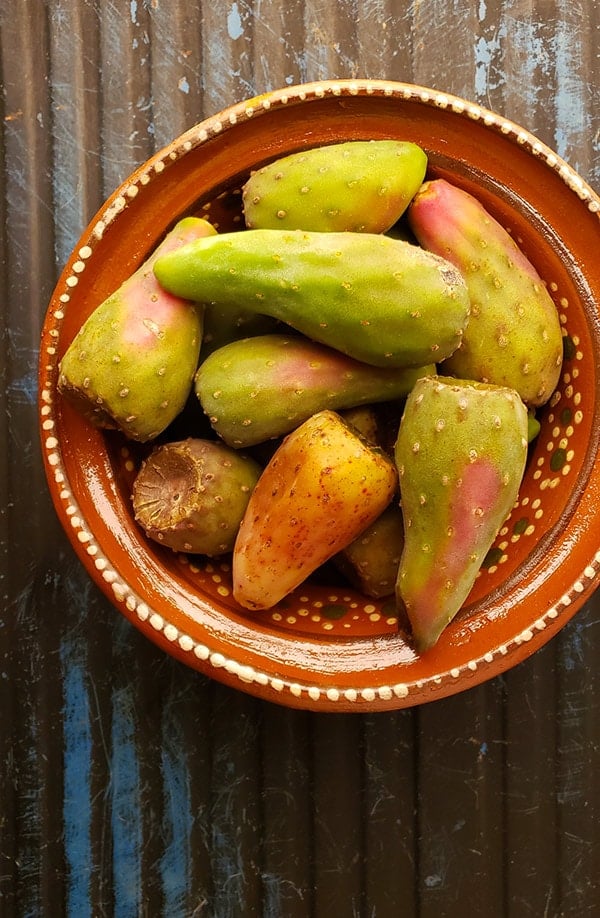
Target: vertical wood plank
[(445, 45), (126, 819), (227, 54), (577, 74), (337, 763), (37, 755), (7, 684), (125, 64), (530, 788), (326, 56), (185, 764), (84, 750), (235, 823), (75, 94), (277, 44), (578, 763), (515, 64), (460, 817), (287, 805), (177, 84), (384, 39), (32, 745), (389, 813)]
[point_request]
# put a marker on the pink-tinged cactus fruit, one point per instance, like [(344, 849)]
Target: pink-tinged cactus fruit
[(142, 291), (323, 486), (132, 363), (460, 453), (514, 336), (262, 387)]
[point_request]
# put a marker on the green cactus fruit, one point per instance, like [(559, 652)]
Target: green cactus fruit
[(533, 426), (132, 363), (514, 336), (380, 300), (460, 455), (259, 388), (222, 325), (191, 495), (371, 561), (360, 186), (322, 488)]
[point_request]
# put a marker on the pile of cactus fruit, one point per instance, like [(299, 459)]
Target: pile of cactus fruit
[(369, 351)]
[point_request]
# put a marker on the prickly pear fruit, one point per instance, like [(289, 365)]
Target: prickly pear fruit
[(371, 561), (221, 326), (190, 495), (533, 426), (380, 300), (358, 186), (514, 337), (377, 423), (132, 363), (258, 388), (364, 419), (323, 486), (460, 454)]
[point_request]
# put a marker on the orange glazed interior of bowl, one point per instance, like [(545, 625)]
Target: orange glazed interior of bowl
[(325, 628)]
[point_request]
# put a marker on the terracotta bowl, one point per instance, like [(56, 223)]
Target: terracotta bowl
[(326, 647)]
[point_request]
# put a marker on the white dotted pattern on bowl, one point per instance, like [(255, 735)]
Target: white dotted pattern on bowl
[(122, 592)]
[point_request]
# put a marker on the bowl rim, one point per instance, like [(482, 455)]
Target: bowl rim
[(318, 692)]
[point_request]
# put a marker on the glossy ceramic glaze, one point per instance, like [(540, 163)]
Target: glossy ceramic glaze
[(326, 647)]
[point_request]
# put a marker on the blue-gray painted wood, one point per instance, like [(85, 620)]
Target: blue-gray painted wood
[(132, 786)]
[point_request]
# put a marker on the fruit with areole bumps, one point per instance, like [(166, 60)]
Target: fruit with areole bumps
[(323, 486), (132, 363), (371, 561), (259, 388), (514, 336), (190, 495), (361, 186), (460, 455), (377, 299)]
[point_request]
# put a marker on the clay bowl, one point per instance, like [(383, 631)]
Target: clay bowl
[(326, 647)]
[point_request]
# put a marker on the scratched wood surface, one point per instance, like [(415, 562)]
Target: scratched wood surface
[(132, 786)]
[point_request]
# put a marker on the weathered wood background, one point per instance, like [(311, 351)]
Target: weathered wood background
[(131, 786)]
